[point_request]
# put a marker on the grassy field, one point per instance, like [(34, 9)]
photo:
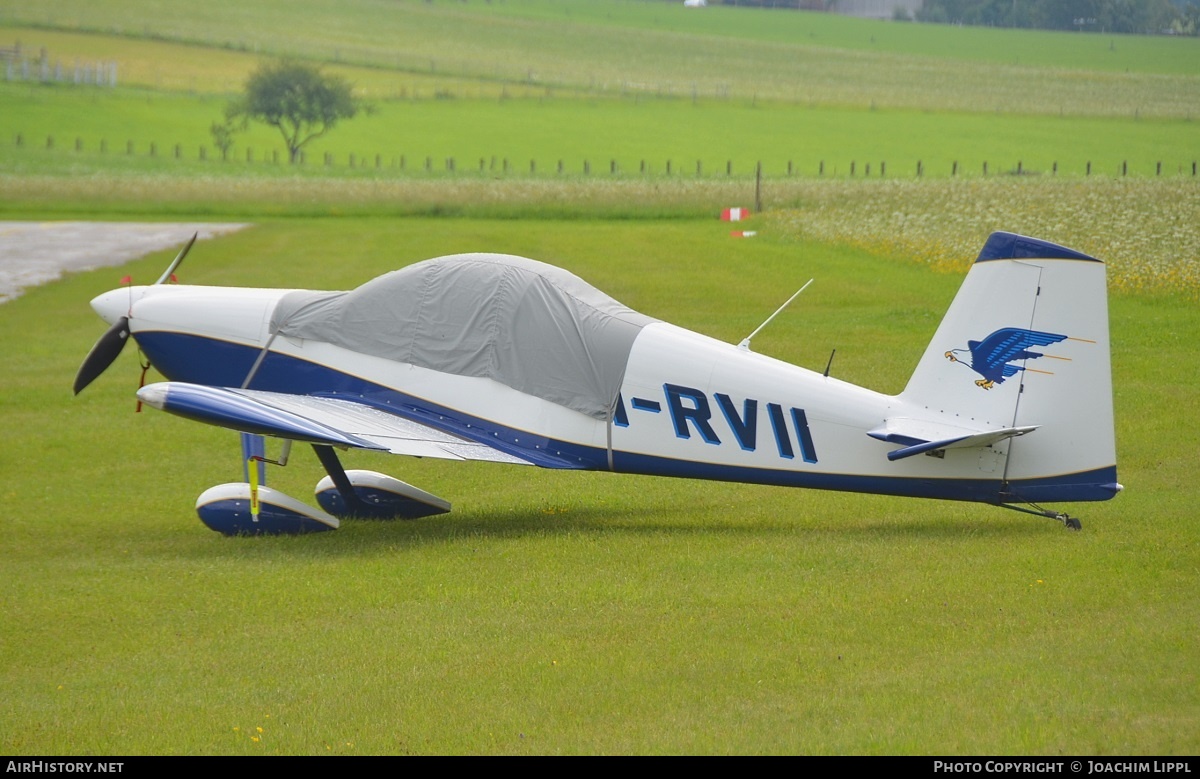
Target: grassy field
[(568, 613), (522, 87), (587, 613), (1147, 227), (559, 37), (641, 136)]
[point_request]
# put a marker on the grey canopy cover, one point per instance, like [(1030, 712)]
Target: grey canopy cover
[(529, 325)]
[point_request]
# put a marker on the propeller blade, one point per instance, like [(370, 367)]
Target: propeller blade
[(102, 354), (105, 350), (177, 261)]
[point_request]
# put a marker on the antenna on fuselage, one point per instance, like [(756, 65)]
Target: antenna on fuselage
[(745, 344)]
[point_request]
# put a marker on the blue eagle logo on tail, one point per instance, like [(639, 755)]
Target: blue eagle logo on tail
[(992, 357)]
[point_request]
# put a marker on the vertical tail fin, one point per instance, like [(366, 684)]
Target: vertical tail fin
[(1025, 343)]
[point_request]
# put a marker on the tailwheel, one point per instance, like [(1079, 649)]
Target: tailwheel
[(1069, 522)]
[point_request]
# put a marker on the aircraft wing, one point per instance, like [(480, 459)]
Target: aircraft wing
[(317, 420), (920, 436)]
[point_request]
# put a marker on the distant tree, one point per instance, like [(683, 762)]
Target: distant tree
[(297, 99), (222, 133), (1124, 16)]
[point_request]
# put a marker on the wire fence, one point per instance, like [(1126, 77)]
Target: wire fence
[(600, 165)]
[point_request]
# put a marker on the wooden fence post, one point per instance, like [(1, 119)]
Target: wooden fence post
[(758, 187)]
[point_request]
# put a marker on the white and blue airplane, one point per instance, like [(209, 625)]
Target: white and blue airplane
[(509, 360)]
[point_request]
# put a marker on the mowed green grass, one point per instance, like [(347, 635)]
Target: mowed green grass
[(592, 613), (77, 130), (650, 49), (587, 613), (999, 46), (399, 31), (593, 85), (520, 88)]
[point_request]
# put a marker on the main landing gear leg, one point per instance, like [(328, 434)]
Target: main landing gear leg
[(1069, 522), (351, 503), (371, 495)]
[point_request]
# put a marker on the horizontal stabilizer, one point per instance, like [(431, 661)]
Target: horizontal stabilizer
[(919, 437)]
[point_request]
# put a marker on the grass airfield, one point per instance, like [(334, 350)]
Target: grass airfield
[(586, 613), (558, 613)]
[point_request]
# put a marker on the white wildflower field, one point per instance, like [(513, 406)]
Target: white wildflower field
[(1147, 230)]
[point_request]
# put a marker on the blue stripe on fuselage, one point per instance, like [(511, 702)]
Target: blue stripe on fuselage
[(1087, 486), (213, 362)]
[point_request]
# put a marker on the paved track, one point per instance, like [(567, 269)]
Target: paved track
[(33, 253)]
